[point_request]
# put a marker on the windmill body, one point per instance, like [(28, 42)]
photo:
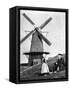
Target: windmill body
[(36, 49), (36, 43)]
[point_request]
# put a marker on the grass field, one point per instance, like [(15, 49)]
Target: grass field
[(33, 73)]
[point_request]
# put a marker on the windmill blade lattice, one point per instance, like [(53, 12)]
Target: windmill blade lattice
[(29, 19), (27, 36), (45, 39), (45, 23)]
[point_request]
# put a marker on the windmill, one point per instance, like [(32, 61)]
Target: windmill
[(36, 49)]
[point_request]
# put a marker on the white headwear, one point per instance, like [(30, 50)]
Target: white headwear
[(59, 56)]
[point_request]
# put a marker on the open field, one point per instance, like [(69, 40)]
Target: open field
[(33, 73)]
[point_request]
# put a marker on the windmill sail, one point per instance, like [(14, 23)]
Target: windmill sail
[(45, 39), (28, 19), (26, 36), (45, 23)]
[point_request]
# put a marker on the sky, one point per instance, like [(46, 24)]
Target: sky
[(55, 29)]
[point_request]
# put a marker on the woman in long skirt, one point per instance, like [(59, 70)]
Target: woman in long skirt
[(44, 68)]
